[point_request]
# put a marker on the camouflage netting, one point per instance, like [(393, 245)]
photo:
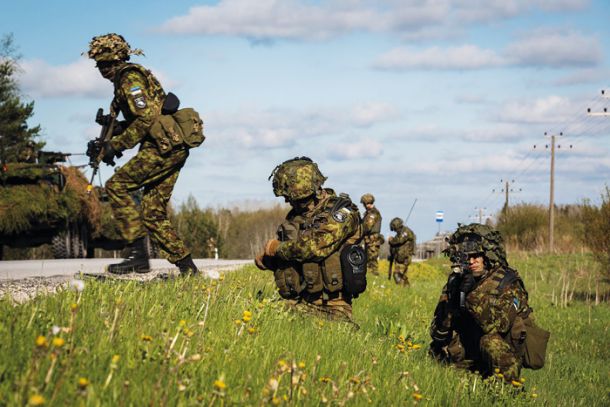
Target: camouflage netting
[(39, 203)]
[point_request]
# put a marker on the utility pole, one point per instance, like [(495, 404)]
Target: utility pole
[(552, 195), (507, 189), (480, 215), (604, 112)]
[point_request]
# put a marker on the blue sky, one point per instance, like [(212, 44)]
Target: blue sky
[(434, 100)]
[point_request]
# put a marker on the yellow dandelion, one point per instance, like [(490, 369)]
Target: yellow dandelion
[(276, 401), (400, 347), (500, 375), (416, 346), (237, 322), (417, 396), (116, 358), (220, 385), (325, 379), (147, 338), (401, 338), (58, 342), (247, 317), (83, 382), (36, 400), (301, 365), (534, 395), (282, 363), (496, 370), (251, 330), (522, 380), (516, 383), (182, 323), (73, 306), (41, 341)]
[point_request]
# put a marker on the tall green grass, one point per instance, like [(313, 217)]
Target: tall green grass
[(232, 342)]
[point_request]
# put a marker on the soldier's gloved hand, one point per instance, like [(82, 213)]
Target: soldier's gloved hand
[(271, 247), (258, 260), (109, 154), (119, 127), (468, 283)]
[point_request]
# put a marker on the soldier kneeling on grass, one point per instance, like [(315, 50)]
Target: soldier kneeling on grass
[(483, 321), (317, 260)]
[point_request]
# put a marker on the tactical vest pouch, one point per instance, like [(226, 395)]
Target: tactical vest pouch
[(313, 278), (191, 126), (536, 340), (332, 273), (288, 282), (353, 267), (167, 133)]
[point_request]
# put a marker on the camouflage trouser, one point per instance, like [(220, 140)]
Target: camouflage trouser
[(336, 309), (494, 353), (400, 273), (157, 175), (372, 254)]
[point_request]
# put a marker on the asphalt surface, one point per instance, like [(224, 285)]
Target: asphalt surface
[(22, 269)]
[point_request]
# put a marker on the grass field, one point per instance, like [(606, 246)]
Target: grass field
[(231, 342)]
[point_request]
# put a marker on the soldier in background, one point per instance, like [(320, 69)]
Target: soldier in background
[(402, 248), (371, 228), (483, 321), (138, 95), (316, 246)]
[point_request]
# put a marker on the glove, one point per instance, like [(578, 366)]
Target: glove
[(258, 261), (271, 247), (109, 154), (468, 283), (119, 127)]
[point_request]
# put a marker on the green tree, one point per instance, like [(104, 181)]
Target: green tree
[(196, 227), (597, 230), (15, 134)]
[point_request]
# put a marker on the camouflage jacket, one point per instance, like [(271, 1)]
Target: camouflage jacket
[(138, 95), (371, 225), (402, 245), (321, 231), (497, 299)]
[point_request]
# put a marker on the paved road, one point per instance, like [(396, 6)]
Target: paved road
[(21, 269)]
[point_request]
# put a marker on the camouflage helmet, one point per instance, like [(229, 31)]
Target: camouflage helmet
[(367, 199), (395, 224), (477, 238), (297, 178), (111, 47)]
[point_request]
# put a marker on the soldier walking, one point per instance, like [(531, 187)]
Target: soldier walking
[(402, 248), (316, 261), (139, 97), (371, 229)]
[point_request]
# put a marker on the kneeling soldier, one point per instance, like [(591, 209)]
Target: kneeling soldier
[(317, 262)]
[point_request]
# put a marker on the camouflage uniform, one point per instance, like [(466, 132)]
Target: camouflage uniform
[(371, 228), (487, 329), (306, 256), (138, 95), (402, 248)]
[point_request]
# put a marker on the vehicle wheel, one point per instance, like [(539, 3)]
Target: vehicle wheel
[(78, 240), (60, 245)]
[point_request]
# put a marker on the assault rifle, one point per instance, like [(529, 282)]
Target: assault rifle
[(460, 282), (391, 259), (95, 148)]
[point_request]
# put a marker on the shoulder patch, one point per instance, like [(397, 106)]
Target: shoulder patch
[(516, 303), (140, 102)]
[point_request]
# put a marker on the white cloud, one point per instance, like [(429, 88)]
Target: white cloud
[(368, 114), (363, 148), (539, 111), (462, 57), (555, 49), (79, 78), (267, 20), (584, 76)]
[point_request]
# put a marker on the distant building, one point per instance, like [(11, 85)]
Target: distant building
[(432, 248)]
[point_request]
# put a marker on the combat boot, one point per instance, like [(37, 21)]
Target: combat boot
[(187, 266), (136, 260)]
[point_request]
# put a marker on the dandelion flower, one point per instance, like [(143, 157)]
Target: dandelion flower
[(73, 307), (276, 401), (301, 365), (247, 317), (516, 383), (41, 341), (78, 285), (220, 385), (147, 338), (83, 382), (237, 322), (416, 346), (522, 380), (58, 342), (417, 396), (36, 400), (116, 358), (534, 395), (182, 323), (251, 330)]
